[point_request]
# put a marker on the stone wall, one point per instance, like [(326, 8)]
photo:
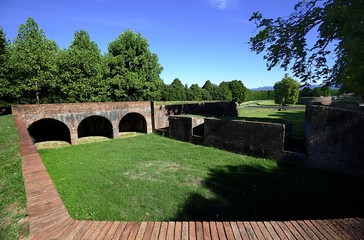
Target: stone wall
[(334, 139), (217, 109), (185, 128), (315, 100), (251, 138)]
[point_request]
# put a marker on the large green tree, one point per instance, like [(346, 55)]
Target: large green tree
[(339, 26), (286, 91), (133, 69), (223, 92), (32, 68), (238, 91), (5, 87), (81, 70)]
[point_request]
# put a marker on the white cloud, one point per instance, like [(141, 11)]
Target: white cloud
[(223, 4)]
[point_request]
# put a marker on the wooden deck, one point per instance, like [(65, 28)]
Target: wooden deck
[(49, 218)]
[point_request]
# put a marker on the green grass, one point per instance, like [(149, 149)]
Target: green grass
[(13, 212), (151, 178), (294, 116)]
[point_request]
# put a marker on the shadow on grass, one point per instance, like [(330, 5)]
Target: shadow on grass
[(255, 193)]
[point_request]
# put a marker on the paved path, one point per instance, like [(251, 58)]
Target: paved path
[(49, 218)]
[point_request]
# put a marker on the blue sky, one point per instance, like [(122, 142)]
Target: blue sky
[(195, 40)]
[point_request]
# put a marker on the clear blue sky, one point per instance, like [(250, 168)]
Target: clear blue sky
[(196, 40)]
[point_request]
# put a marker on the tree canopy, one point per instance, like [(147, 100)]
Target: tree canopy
[(286, 91), (339, 25)]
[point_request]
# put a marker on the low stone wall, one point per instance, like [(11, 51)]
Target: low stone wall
[(217, 109), (315, 100), (252, 138), (183, 128), (334, 139)]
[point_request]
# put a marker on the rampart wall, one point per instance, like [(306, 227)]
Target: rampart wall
[(334, 139)]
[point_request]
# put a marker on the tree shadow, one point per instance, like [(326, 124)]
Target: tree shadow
[(257, 193)]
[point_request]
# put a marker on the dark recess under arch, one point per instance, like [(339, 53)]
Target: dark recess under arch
[(95, 126), (133, 122), (48, 129)]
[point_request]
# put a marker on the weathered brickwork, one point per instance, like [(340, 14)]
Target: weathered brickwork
[(315, 100), (217, 109), (71, 114), (334, 139), (252, 138)]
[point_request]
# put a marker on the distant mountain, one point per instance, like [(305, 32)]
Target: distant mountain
[(264, 88)]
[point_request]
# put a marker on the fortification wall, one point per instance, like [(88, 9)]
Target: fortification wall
[(217, 109), (334, 139), (315, 100)]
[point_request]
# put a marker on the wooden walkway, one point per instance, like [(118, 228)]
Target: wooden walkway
[(49, 218)]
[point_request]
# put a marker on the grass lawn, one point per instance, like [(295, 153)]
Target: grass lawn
[(13, 211), (294, 116), (151, 178)]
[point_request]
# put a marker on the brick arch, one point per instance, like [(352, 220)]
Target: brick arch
[(95, 125), (49, 129), (133, 122)]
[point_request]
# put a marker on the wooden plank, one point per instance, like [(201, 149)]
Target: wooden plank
[(206, 230), (185, 231), (119, 231), (307, 230), (256, 230), (83, 230), (243, 233), (134, 230), (127, 230), (141, 230), (170, 231), (300, 230), (221, 230), (90, 230), (213, 231), (69, 229), (97, 231), (192, 227), (286, 230), (79, 227), (314, 229), (163, 231), (228, 231), (112, 230), (264, 230), (155, 231), (104, 230), (271, 230), (178, 230), (250, 231), (235, 228), (293, 230), (199, 231), (331, 233), (148, 231), (279, 230), (346, 226)]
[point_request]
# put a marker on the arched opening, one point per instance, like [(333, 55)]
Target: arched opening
[(95, 126), (133, 122), (48, 129)]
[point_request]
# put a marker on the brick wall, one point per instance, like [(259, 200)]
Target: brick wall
[(251, 138), (334, 139)]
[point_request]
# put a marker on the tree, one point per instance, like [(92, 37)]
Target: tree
[(81, 71), (175, 91), (211, 91), (286, 91), (339, 22), (32, 68), (223, 92), (196, 94), (133, 69), (238, 91), (5, 89)]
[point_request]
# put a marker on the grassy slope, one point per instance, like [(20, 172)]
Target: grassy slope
[(148, 178), (13, 221)]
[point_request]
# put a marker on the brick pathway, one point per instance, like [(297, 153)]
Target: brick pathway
[(49, 218)]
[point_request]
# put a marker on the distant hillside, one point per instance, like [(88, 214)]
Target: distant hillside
[(263, 88)]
